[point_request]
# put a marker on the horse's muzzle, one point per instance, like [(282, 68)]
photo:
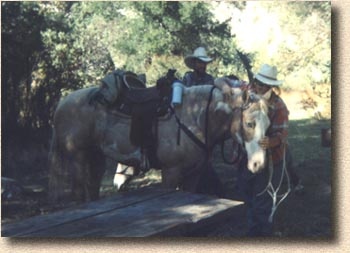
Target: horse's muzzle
[(256, 161)]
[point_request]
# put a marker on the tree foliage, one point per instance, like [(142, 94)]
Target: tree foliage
[(295, 36), (21, 45), (51, 48)]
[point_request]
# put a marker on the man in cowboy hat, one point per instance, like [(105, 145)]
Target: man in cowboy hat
[(209, 182), (198, 62), (252, 186)]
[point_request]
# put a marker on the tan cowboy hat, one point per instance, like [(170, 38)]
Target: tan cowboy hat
[(200, 54), (268, 75)]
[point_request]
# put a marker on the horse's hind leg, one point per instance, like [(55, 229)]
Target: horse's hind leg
[(60, 173), (96, 171), (171, 177), (203, 179), (191, 177), (80, 168), (210, 183), (123, 175)]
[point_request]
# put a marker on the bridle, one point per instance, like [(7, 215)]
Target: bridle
[(240, 147)]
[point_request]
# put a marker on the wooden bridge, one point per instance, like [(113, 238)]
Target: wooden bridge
[(141, 213)]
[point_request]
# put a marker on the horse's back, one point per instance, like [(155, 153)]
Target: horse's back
[(77, 98)]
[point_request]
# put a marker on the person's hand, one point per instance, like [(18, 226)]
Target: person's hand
[(268, 142), (265, 142)]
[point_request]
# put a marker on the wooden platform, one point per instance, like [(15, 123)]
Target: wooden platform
[(144, 212)]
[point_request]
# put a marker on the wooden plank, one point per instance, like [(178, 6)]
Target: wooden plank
[(120, 200), (205, 215), (175, 213), (126, 221)]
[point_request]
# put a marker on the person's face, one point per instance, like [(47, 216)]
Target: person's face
[(261, 88), (200, 66)]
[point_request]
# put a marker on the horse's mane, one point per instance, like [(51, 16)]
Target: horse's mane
[(201, 92)]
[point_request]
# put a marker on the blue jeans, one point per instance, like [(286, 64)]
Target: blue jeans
[(258, 205)]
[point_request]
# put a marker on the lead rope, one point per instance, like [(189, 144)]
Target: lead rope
[(271, 190)]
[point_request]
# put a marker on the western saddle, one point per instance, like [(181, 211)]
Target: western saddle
[(144, 106)]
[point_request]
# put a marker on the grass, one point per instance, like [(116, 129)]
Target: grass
[(308, 214), (304, 138)]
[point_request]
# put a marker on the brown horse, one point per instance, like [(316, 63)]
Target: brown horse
[(85, 134)]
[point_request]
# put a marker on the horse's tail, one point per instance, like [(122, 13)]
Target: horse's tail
[(56, 171)]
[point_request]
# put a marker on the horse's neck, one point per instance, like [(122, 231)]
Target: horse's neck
[(197, 106)]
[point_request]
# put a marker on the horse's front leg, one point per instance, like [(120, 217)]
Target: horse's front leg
[(192, 175), (171, 177)]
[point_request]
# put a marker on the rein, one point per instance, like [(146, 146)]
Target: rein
[(239, 151), (189, 133), (236, 158)]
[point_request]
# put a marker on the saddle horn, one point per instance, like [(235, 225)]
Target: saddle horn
[(164, 83)]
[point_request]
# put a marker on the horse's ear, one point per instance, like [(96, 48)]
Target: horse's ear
[(236, 125), (267, 95), (245, 96)]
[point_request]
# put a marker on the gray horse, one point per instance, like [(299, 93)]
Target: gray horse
[(85, 135)]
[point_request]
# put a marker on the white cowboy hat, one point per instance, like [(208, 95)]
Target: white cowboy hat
[(268, 75), (200, 54)]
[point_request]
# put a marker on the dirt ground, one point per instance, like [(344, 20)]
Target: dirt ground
[(308, 214)]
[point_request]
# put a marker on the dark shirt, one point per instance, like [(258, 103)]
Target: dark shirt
[(191, 79)]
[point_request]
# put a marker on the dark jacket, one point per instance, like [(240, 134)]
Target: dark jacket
[(191, 79)]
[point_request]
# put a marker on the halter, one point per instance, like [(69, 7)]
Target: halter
[(241, 147), (237, 157)]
